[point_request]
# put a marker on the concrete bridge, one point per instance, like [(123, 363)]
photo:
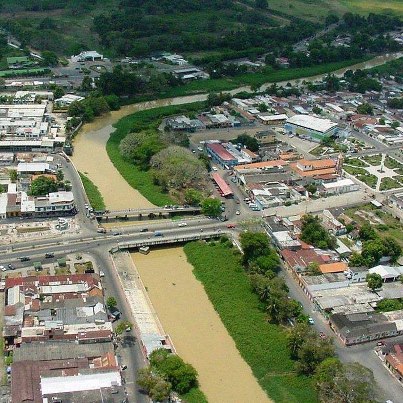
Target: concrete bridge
[(150, 213), (166, 240)]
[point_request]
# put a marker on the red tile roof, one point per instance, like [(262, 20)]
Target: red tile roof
[(301, 257), (221, 151), (224, 188)]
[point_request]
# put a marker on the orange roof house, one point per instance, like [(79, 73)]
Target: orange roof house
[(337, 267), (310, 168)]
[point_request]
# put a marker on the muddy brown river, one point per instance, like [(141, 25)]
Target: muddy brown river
[(91, 158), (178, 297), (196, 330)]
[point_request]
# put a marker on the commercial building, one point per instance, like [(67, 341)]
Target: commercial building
[(221, 155), (90, 55), (269, 119), (67, 100), (315, 128), (358, 328), (341, 185)]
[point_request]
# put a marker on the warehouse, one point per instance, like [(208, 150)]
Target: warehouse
[(315, 128)]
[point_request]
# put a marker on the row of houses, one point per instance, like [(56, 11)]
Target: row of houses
[(59, 333)]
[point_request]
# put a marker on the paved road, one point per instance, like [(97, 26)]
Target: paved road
[(389, 387)]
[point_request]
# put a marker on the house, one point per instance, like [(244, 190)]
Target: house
[(336, 267), (90, 55), (388, 273), (394, 360), (315, 128), (269, 119), (299, 259), (314, 168), (362, 327), (332, 224)]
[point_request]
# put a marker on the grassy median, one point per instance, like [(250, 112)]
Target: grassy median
[(140, 179), (94, 196), (261, 344)]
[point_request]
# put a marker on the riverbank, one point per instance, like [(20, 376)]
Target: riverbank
[(137, 178), (91, 158), (195, 328), (94, 195), (262, 345)]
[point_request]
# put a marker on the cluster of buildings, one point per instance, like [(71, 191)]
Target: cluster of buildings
[(26, 124), (338, 291), (58, 331), (16, 201)]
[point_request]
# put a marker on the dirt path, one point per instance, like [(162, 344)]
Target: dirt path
[(198, 334)]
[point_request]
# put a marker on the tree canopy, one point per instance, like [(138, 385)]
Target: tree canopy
[(374, 281), (337, 382), (211, 207), (176, 167), (315, 234), (42, 186)]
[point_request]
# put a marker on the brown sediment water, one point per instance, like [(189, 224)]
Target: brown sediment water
[(90, 155), (91, 158), (195, 328)]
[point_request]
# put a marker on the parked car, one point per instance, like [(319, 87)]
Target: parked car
[(101, 230), (311, 321), (2, 268), (237, 212), (230, 225), (11, 267)]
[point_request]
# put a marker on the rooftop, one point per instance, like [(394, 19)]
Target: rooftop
[(312, 123)]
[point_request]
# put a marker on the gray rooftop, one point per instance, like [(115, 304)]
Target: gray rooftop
[(60, 351)]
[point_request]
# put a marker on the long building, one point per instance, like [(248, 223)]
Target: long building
[(315, 128)]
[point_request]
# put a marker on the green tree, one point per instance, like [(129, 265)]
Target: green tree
[(395, 124), (49, 58), (42, 186), (59, 175), (111, 302), (153, 384), (372, 251), (113, 102), (248, 141), (3, 188), (254, 245), (178, 168), (122, 326), (297, 336), (367, 232), (13, 175), (317, 110), (374, 281), (365, 109), (314, 233), (182, 376), (193, 196), (313, 269), (312, 352), (392, 248), (337, 382), (261, 4), (211, 207)]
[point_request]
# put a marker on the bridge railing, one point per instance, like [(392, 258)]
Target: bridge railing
[(164, 241)]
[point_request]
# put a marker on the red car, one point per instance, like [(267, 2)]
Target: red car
[(230, 225)]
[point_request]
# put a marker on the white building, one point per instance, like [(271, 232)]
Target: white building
[(340, 186), (316, 128), (68, 99), (90, 55)]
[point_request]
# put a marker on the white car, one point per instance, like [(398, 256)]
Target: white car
[(237, 212), (214, 168), (182, 224), (3, 268)]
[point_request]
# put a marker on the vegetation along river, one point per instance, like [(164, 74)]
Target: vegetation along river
[(198, 334)]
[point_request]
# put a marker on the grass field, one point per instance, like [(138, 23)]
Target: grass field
[(262, 345), (24, 72), (137, 178), (373, 6), (94, 196)]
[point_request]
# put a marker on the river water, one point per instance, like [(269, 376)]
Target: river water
[(90, 154), (198, 334), (180, 300)]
